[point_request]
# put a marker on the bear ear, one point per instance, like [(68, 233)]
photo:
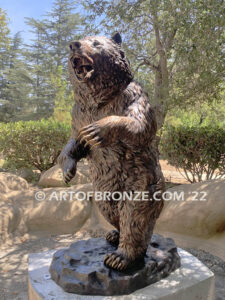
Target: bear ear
[(117, 38)]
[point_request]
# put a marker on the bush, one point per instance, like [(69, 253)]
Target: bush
[(195, 149), (33, 144)]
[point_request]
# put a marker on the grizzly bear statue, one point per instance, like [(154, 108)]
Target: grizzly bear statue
[(113, 126)]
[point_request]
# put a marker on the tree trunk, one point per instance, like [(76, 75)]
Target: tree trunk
[(161, 96)]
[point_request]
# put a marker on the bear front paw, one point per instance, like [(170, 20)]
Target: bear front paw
[(91, 136), (69, 169)]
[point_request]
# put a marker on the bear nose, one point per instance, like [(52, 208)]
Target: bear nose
[(75, 45)]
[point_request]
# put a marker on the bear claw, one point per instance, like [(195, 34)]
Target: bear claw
[(116, 261), (113, 237)]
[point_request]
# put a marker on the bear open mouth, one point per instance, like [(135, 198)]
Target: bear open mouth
[(82, 68)]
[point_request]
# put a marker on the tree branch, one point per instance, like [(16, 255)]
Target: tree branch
[(139, 65), (151, 65), (145, 60), (159, 46), (170, 39)]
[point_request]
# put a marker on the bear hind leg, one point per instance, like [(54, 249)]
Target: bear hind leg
[(136, 227)]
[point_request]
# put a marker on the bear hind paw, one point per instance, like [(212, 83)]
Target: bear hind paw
[(113, 237), (116, 261)]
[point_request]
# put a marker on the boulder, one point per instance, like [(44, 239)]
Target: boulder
[(53, 177), (10, 182), (201, 212), (28, 174), (3, 197), (59, 211), (9, 219)]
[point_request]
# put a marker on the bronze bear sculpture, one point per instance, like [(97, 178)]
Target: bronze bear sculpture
[(113, 126)]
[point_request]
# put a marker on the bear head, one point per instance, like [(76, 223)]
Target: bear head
[(98, 68)]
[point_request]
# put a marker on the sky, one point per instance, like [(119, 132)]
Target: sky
[(17, 10)]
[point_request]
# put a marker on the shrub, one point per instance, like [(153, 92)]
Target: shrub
[(195, 149), (33, 144)]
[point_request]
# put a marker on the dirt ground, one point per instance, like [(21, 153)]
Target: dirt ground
[(171, 174), (14, 261)]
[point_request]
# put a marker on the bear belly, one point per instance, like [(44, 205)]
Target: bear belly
[(115, 169)]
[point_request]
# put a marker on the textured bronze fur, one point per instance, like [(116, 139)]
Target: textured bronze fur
[(113, 126)]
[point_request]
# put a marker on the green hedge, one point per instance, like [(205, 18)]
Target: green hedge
[(33, 144), (195, 149)]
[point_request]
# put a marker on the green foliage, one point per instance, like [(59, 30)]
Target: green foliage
[(204, 114), (40, 64), (4, 30), (63, 97), (15, 81), (60, 27), (5, 107), (199, 150), (33, 144)]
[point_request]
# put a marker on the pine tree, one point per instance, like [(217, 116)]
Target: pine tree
[(18, 88), (4, 30), (40, 67), (34, 78), (48, 57), (4, 48), (63, 97), (61, 27)]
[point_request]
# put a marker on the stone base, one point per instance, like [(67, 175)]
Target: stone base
[(192, 280), (80, 269)]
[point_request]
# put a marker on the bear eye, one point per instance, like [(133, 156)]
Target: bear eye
[(96, 43)]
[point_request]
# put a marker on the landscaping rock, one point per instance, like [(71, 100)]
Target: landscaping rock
[(10, 182), (53, 177), (58, 212), (3, 197), (200, 214), (9, 219), (28, 174)]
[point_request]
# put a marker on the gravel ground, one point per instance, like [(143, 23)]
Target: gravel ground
[(13, 264)]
